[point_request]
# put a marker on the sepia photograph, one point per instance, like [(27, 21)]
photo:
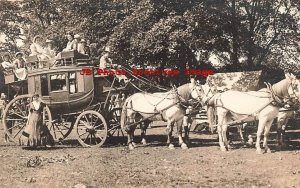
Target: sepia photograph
[(149, 93)]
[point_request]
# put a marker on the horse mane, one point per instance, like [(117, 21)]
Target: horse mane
[(281, 88)]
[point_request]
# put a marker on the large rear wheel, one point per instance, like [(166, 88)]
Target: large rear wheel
[(15, 117)]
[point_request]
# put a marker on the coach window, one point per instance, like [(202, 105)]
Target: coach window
[(58, 82), (44, 85), (72, 83)]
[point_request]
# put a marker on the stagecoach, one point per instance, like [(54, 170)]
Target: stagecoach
[(75, 101)]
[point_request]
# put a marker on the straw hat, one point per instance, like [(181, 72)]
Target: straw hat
[(19, 53), (83, 41), (49, 41), (36, 37), (107, 49)]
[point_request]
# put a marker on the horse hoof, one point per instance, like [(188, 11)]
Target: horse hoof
[(131, 147), (144, 142), (268, 150), (171, 146), (259, 151), (133, 144), (184, 146), (223, 149)]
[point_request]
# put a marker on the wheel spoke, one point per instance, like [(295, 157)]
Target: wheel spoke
[(95, 139), (99, 125), (87, 120), (59, 130), (83, 134), (86, 137), (16, 126), (18, 132), (14, 119)]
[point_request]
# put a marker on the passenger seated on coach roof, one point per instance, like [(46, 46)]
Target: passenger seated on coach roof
[(37, 49), (19, 62), (105, 60), (6, 64), (83, 48), (50, 50), (20, 66), (72, 44)]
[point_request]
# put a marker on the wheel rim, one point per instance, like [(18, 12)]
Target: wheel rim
[(91, 129)]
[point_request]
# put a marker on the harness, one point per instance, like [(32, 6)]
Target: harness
[(179, 100), (276, 100)]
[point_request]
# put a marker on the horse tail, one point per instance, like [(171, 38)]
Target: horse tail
[(124, 112)]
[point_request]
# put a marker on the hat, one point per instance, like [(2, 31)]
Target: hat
[(3, 96), (36, 37), (35, 95), (19, 53), (77, 36), (107, 49), (6, 55), (83, 41), (49, 41)]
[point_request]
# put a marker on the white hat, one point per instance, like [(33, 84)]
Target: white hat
[(49, 41), (19, 53), (107, 49), (82, 40), (77, 36), (3, 95)]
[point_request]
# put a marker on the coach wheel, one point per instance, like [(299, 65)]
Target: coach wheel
[(91, 129)]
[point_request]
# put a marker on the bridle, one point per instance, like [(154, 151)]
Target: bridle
[(293, 95)]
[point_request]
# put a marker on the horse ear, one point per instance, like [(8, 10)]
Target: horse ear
[(288, 76), (293, 76)]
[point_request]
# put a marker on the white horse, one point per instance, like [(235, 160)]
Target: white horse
[(169, 106), (233, 107)]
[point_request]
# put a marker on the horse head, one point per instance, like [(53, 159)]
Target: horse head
[(294, 87), (202, 93)]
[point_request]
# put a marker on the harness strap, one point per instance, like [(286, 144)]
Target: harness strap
[(242, 120), (153, 114), (277, 100)]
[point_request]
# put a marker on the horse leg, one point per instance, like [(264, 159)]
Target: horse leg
[(281, 124), (186, 126), (260, 130), (170, 130), (221, 116), (130, 133), (179, 129), (266, 136), (143, 131), (240, 129), (225, 140)]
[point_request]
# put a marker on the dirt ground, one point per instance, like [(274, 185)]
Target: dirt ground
[(153, 165)]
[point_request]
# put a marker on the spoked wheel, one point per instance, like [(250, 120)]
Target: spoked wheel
[(91, 129), (114, 126), (62, 127), (16, 114)]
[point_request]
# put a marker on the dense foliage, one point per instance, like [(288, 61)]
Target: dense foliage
[(243, 34)]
